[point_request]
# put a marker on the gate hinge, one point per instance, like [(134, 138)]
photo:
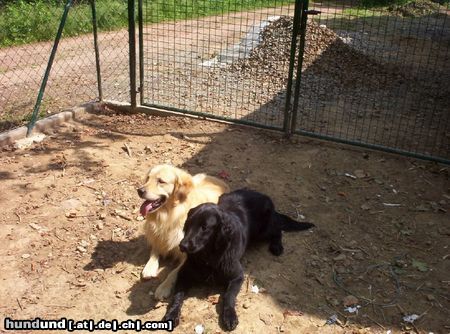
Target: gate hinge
[(312, 12)]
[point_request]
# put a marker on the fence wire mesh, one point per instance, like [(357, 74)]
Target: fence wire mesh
[(206, 61), (381, 76), (25, 49), (373, 73)]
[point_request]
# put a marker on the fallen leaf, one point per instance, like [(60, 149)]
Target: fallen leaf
[(224, 175), (213, 299), (365, 207), (350, 300), (419, 265), (292, 313)]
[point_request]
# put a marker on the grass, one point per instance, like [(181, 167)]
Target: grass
[(23, 22)]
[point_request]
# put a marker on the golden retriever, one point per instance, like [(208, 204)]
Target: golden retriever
[(169, 193)]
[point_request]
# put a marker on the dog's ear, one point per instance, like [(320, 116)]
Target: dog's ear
[(183, 185), (226, 230)]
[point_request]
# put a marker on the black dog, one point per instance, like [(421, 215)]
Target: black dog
[(216, 237)]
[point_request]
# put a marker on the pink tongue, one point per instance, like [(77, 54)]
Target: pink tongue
[(146, 207)]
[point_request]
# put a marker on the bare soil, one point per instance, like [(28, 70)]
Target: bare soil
[(72, 244)]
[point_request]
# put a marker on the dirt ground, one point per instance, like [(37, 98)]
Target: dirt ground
[(72, 244)]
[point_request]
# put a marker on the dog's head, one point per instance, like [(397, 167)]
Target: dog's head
[(164, 185), (206, 228)]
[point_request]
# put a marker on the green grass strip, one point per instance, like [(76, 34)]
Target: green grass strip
[(23, 22)]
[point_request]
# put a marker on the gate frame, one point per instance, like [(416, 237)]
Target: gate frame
[(290, 112)]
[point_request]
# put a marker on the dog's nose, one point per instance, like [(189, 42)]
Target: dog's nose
[(141, 191), (183, 247)]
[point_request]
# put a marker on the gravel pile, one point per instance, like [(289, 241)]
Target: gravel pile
[(274, 50), (415, 8), (325, 53)]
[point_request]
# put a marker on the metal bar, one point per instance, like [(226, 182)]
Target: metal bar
[(373, 146), (301, 51), (295, 31), (132, 50), (141, 51), (97, 54), (212, 116), (49, 68), (304, 133)]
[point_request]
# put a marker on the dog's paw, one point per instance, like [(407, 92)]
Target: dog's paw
[(150, 271), (175, 318), (163, 291), (276, 249), (229, 319)]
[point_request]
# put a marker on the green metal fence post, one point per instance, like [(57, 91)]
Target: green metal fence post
[(132, 47), (301, 51), (295, 32), (49, 68), (97, 54), (141, 51)]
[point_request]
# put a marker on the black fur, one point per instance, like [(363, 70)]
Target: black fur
[(216, 237)]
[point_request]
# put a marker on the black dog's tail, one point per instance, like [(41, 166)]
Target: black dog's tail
[(288, 224)]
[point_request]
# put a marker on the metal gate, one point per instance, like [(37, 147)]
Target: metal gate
[(370, 76)]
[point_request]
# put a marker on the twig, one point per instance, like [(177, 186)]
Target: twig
[(20, 305), (82, 216), (20, 218), (127, 148), (120, 181), (382, 314), (58, 237), (121, 215), (373, 320), (350, 250), (64, 269), (364, 251), (88, 186), (287, 279), (402, 311), (415, 328), (62, 306)]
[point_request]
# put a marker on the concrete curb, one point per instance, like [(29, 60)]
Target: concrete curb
[(9, 137)]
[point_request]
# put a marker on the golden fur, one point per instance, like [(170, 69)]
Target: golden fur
[(175, 192)]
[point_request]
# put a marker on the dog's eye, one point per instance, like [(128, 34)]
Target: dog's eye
[(203, 227), (161, 181)]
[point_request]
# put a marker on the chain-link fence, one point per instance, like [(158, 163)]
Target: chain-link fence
[(27, 38), (227, 59), (367, 72), (381, 76), (373, 73)]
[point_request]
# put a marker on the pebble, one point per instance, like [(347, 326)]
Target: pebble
[(340, 257), (25, 256), (84, 243), (359, 173), (246, 305), (431, 298), (81, 249)]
